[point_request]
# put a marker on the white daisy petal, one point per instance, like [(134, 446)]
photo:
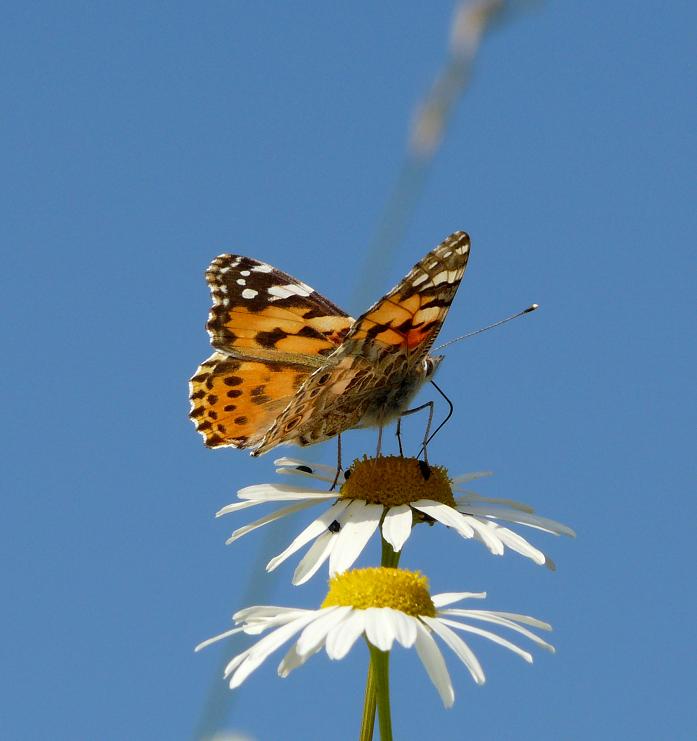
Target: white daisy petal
[(396, 526), (315, 528), (271, 517), (518, 544), (357, 528), (298, 467), (491, 636), (519, 518), (281, 492), (499, 619), (292, 660), (258, 653), (236, 506), (235, 662), (258, 624), (447, 598), (471, 497), (265, 612), (485, 534), (446, 515), (217, 638), (341, 637), (464, 477), (404, 627), (461, 649), (379, 627), (315, 633), (518, 618), (312, 561), (434, 664)]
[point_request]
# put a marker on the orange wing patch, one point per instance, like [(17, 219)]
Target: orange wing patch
[(259, 311), (410, 316), (234, 401), (245, 331)]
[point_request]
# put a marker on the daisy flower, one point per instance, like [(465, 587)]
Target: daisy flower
[(392, 493), (384, 605)]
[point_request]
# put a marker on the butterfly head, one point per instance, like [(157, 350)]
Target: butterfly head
[(430, 365)]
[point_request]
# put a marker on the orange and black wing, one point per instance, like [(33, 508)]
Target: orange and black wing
[(409, 317), (389, 340), (271, 331), (259, 311)]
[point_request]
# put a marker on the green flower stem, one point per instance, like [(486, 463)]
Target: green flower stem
[(369, 705), (377, 681), (380, 663), (390, 558)]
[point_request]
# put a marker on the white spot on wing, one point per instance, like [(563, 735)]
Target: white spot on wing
[(420, 279), (249, 293), (245, 273), (262, 267), (241, 282), (290, 290)]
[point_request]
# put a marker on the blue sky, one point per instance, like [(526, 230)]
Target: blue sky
[(141, 140)]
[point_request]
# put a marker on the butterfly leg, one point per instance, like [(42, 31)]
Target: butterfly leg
[(427, 437), (338, 462), (378, 452), (428, 405), (399, 436)]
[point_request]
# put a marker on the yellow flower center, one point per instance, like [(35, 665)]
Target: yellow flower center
[(399, 589), (393, 480)]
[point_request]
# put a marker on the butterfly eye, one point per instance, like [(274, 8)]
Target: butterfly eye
[(430, 364)]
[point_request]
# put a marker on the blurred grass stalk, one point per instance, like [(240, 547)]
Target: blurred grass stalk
[(471, 21)]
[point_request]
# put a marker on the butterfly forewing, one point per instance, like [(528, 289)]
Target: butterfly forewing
[(409, 317), (261, 311), (375, 370)]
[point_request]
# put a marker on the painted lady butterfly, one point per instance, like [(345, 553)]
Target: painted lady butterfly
[(291, 367)]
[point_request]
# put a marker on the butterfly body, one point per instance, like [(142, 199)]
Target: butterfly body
[(291, 367)]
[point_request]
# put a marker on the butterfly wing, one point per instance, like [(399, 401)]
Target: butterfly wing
[(408, 318), (234, 401), (271, 331), (383, 349), (259, 311)]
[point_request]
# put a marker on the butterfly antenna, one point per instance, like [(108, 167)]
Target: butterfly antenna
[(490, 326)]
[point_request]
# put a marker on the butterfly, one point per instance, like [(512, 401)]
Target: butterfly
[(291, 367)]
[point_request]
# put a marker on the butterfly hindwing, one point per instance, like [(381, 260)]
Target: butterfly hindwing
[(234, 401)]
